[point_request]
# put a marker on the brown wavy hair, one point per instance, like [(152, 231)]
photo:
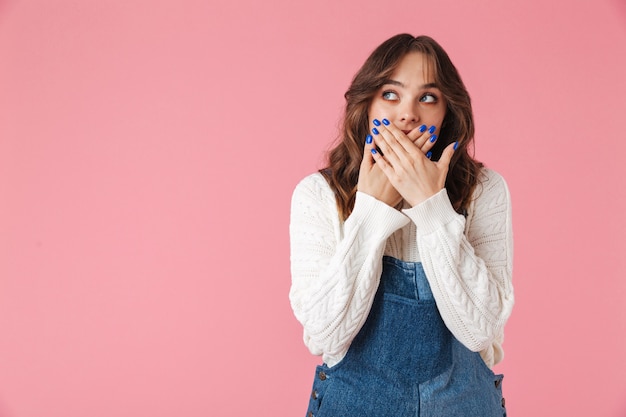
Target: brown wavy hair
[(344, 160)]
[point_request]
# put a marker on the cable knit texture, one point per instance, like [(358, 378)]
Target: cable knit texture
[(336, 266)]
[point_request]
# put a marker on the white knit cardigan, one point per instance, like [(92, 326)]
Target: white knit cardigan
[(336, 266)]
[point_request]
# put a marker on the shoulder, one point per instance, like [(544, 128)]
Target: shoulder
[(490, 197), (313, 186), (314, 210), (488, 176), (313, 192), (314, 181), (489, 212), (490, 185)]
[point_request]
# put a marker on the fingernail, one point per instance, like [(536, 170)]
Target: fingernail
[(456, 144), (433, 138), (368, 139), (422, 128), (429, 154), (376, 122), (375, 131), (374, 151), (386, 122), (432, 129)]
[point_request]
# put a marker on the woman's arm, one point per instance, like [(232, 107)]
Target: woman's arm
[(335, 267), (469, 267)]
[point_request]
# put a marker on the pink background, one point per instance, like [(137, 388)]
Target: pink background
[(148, 151)]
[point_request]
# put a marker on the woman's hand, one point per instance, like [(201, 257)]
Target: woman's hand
[(373, 181), (422, 137), (415, 177)]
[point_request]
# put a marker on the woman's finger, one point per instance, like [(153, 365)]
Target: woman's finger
[(385, 141), (398, 137), (368, 161), (395, 145), (416, 134), (424, 137), (428, 140), (380, 161), (446, 156), (425, 134)]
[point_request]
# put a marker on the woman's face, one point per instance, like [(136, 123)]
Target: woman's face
[(409, 98)]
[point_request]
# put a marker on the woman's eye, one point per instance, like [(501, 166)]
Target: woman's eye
[(428, 98), (390, 95)]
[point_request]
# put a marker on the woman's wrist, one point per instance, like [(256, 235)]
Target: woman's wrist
[(432, 212)]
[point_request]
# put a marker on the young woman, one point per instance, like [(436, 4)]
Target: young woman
[(401, 249)]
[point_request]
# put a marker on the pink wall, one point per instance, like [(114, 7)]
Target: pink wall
[(148, 150)]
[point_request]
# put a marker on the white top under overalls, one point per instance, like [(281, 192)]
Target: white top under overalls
[(336, 266)]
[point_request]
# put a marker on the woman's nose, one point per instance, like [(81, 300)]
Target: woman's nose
[(409, 114)]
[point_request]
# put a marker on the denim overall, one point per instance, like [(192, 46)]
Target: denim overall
[(405, 361)]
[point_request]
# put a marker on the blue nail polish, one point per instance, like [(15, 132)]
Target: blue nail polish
[(376, 122), (433, 138), (375, 131), (368, 139), (374, 151), (456, 144), (432, 129), (429, 154), (386, 122), (422, 128)]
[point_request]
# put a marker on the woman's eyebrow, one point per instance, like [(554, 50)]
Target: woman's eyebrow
[(399, 84)]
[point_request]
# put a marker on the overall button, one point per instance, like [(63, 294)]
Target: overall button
[(322, 375), (314, 395), (310, 414)]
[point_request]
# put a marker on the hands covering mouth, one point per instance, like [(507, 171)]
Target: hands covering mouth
[(404, 162)]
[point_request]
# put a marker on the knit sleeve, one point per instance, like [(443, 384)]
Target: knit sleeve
[(335, 266), (469, 266)]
